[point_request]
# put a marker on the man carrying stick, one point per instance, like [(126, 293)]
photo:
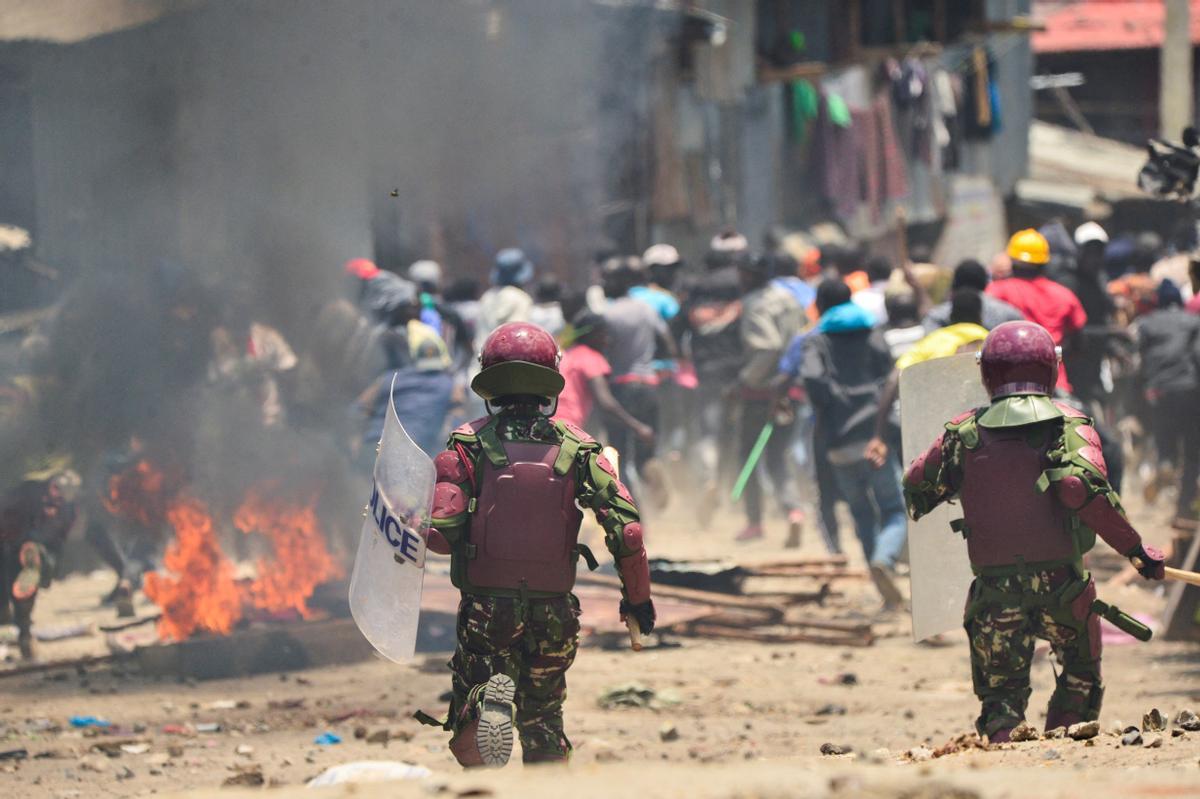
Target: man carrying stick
[(1033, 484)]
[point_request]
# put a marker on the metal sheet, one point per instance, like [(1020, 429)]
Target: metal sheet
[(932, 393)]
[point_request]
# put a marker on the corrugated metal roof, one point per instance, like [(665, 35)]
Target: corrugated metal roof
[(1073, 160), (1097, 25)]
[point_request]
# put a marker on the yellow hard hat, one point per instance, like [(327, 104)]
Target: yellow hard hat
[(1029, 247)]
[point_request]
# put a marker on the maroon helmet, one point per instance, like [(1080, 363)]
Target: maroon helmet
[(1019, 358), (518, 358)]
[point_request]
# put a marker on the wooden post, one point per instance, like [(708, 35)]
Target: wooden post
[(1175, 104)]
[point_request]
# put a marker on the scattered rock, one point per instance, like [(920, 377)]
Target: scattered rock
[(1056, 733), (1178, 733), (1052, 754), (1024, 732), (635, 695), (360, 733), (378, 737), (832, 710), (135, 749), (836, 749), (207, 727), (94, 763), (245, 777), (1084, 730), (919, 754), (1131, 737), (960, 743), (1188, 720), (668, 732), (125, 773), (1154, 721), (1153, 742), (881, 755), (175, 750), (245, 750)]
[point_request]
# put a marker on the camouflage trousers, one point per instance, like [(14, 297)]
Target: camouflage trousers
[(532, 641), (1004, 618)]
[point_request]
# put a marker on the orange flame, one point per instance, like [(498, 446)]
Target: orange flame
[(300, 559), (200, 592)]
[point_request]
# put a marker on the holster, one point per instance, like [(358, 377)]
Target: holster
[(1122, 620)]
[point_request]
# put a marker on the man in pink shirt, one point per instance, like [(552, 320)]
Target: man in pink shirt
[(585, 371), (1038, 298)]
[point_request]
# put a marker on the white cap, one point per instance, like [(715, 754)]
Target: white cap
[(1090, 231), (729, 242), (661, 255), (425, 272)]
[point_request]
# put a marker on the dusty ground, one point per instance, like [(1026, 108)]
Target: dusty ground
[(749, 719)]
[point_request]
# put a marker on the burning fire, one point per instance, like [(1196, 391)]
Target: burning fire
[(200, 593), (301, 560)]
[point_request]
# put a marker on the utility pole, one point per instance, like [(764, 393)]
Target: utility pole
[(1175, 102)]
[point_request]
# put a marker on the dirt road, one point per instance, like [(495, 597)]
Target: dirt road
[(727, 719)]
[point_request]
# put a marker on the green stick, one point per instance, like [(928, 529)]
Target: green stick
[(752, 461)]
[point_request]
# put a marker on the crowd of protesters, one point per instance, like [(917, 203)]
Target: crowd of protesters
[(775, 369)]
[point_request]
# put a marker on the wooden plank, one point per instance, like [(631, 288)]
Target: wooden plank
[(692, 595)]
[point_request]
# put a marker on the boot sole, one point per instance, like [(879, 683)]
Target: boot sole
[(494, 736), (30, 576)]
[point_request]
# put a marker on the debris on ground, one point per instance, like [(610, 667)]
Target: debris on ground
[(1131, 737), (919, 754), (14, 754), (1187, 720), (1154, 721), (1084, 730), (89, 721), (832, 710), (668, 732), (1057, 732), (960, 743), (249, 776), (369, 771), (327, 739), (635, 695), (1153, 742), (1024, 732), (836, 749)]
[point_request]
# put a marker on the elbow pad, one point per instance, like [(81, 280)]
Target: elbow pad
[(450, 500), (924, 468), (634, 567), (1110, 524), (436, 542)]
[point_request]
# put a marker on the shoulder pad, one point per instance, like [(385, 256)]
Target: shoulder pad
[(472, 428), (966, 427), (962, 417), (567, 428), (1069, 411)]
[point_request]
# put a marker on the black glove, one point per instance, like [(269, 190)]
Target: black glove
[(1152, 560), (642, 613)]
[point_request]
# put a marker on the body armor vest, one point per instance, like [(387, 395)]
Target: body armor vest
[(1008, 521), (525, 525)]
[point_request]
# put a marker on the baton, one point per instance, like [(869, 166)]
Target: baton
[(635, 632), (1191, 578), (752, 461)]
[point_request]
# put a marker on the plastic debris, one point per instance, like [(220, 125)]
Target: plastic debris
[(369, 771), (327, 739), (89, 721)]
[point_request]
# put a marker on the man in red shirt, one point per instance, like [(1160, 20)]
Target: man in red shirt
[(1038, 298)]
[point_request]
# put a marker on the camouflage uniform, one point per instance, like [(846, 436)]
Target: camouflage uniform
[(1027, 541), (1004, 618), (530, 636)]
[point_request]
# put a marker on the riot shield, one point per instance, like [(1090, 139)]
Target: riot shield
[(385, 586), (931, 394)]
